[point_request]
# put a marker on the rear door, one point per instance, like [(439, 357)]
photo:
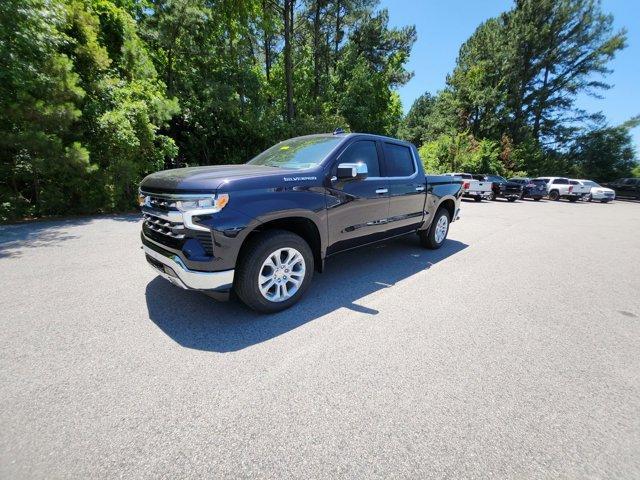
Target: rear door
[(357, 210), (407, 187)]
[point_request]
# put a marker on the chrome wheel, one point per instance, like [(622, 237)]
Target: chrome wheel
[(441, 229), (281, 274)]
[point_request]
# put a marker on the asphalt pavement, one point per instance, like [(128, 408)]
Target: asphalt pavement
[(512, 352)]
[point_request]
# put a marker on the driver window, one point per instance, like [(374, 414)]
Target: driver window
[(363, 151)]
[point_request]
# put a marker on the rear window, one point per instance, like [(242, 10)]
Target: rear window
[(561, 181), (398, 160), (574, 182)]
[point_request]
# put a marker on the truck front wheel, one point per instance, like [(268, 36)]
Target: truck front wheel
[(437, 233), (274, 271)]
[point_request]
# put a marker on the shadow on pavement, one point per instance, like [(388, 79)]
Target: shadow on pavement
[(196, 321), (44, 233)]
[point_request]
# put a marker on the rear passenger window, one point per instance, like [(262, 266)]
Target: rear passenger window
[(561, 181), (363, 151), (398, 160)]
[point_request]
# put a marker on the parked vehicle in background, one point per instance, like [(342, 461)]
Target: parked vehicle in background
[(560, 187), (501, 187), (262, 228), (597, 192), (626, 187), (472, 188), (580, 188), (531, 188)]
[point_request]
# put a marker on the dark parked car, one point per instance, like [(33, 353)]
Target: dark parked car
[(502, 188), (626, 187), (262, 228), (531, 187)]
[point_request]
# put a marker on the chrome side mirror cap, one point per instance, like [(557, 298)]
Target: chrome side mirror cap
[(352, 171)]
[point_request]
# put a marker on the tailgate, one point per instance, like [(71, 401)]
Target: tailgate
[(478, 186)]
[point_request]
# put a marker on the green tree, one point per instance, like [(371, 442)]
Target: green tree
[(606, 153)]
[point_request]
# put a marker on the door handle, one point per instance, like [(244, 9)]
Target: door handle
[(382, 190), (420, 189)]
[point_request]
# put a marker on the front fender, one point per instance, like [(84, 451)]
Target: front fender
[(248, 211)]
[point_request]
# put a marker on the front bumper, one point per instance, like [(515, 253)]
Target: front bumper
[(171, 267), (602, 196)]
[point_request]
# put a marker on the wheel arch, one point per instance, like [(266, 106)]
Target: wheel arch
[(299, 223)]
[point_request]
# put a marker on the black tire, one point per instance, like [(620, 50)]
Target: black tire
[(573, 199), (477, 199), (554, 195), (537, 199), (492, 196), (511, 199), (428, 237), (589, 198), (254, 255)]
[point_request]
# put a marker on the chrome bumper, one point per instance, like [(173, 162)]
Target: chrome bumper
[(177, 273)]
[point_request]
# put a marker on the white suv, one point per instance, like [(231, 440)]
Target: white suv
[(597, 192), (561, 187)]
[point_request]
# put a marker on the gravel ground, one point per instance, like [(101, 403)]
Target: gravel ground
[(512, 352)]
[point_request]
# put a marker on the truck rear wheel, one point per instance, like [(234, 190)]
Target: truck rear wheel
[(437, 233), (274, 272), (554, 195)]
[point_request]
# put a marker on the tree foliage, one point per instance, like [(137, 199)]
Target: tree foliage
[(516, 82), (95, 94)]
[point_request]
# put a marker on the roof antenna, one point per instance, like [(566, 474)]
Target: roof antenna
[(338, 131)]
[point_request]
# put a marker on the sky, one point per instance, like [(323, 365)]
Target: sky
[(443, 25)]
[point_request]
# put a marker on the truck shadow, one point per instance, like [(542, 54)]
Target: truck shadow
[(196, 321)]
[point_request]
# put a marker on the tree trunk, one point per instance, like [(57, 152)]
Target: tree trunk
[(541, 105), (267, 43), (316, 53), (336, 45), (288, 60)]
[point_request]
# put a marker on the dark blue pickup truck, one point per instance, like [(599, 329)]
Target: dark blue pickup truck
[(262, 228)]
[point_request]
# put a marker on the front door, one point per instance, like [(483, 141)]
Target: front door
[(406, 188), (357, 210)]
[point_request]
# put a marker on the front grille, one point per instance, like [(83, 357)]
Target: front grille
[(162, 204), (163, 225)]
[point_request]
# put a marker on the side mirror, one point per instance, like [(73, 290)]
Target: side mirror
[(352, 171)]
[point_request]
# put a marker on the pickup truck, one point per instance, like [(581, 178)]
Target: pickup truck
[(535, 189), (260, 229), (472, 188), (501, 187), (561, 187), (625, 187)]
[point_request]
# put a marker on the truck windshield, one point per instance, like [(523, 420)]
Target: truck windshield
[(297, 153)]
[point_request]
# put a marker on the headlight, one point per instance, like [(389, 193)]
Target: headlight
[(208, 204)]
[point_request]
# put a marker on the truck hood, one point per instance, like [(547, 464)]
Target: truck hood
[(205, 179)]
